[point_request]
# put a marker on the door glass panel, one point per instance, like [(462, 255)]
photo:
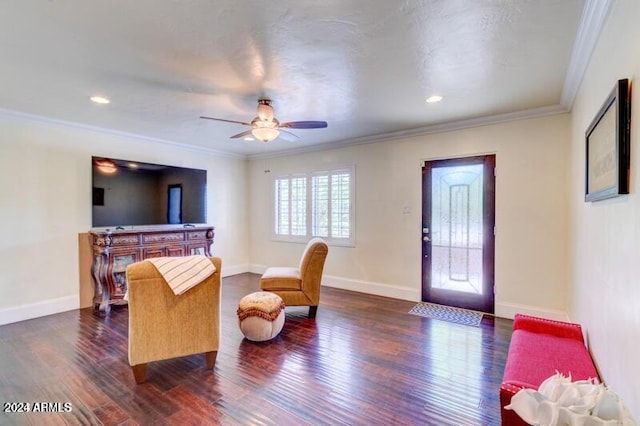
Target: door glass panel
[(456, 228)]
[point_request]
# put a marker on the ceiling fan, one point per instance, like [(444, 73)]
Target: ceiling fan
[(266, 127)]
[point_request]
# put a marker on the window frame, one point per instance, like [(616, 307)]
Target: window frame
[(309, 175)]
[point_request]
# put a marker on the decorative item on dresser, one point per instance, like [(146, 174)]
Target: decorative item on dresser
[(114, 250)]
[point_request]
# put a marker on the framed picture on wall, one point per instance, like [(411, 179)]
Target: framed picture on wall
[(608, 144)]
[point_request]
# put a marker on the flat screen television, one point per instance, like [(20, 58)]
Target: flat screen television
[(132, 193)]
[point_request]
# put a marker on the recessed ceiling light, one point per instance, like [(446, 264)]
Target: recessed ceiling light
[(132, 165), (249, 138), (99, 100), (433, 99)]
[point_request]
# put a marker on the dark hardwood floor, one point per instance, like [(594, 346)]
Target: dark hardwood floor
[(362, 361)]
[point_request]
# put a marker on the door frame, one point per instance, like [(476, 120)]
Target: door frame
[(448, 297)]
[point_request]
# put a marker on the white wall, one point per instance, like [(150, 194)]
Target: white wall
[(604, 294), (531, 212), (45, 202)]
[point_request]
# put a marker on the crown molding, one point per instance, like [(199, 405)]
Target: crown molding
[(402, 134), (592, 21), (436, 128), (7, 113), (594, 16)]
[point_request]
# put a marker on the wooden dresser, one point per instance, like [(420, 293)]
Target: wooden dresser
[(113, 250)]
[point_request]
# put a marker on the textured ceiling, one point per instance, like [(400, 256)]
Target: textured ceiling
[(363, 66)]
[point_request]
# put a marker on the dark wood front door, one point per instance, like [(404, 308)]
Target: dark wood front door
[(458, 226)]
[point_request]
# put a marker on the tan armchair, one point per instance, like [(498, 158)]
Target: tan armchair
[(163, 325), (299, 286)]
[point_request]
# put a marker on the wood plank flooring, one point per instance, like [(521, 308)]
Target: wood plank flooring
[(362, 361)]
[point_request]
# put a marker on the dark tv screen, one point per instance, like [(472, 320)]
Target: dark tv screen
[(133, 193)]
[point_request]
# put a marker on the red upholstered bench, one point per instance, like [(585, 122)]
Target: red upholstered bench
[(539, 348)]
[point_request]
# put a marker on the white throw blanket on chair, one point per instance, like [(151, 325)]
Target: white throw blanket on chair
[(182, 273)]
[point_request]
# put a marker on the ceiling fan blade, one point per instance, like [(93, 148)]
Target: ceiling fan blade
[(305, 124), (288, 136), (227, 121), (241, 135)]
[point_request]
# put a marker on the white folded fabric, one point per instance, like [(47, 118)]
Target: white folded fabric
[(559, 401)]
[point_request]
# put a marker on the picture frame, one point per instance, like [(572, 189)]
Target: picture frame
[(607, 141)]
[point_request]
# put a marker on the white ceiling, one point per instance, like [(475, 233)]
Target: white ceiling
[(363, 66)]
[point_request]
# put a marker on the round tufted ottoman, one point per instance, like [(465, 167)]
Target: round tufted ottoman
[(261, 315)]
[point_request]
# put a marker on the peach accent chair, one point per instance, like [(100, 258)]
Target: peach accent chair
[(163, 325), (299, 286)]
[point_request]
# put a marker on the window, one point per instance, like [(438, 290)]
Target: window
[(317, 204)]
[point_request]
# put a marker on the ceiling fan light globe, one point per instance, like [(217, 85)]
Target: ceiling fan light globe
[(265, 112), (106, 167), (265, 134)]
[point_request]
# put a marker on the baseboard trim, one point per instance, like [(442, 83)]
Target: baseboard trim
[(361, 286), (502, 310), (509, 310), (39, 309), (257, 269), (369, 287), (68, 303), (227, 271)]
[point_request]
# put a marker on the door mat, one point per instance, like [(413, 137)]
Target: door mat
[(447, 313)]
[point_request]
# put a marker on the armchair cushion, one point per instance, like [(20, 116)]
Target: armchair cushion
[(281, 278)]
